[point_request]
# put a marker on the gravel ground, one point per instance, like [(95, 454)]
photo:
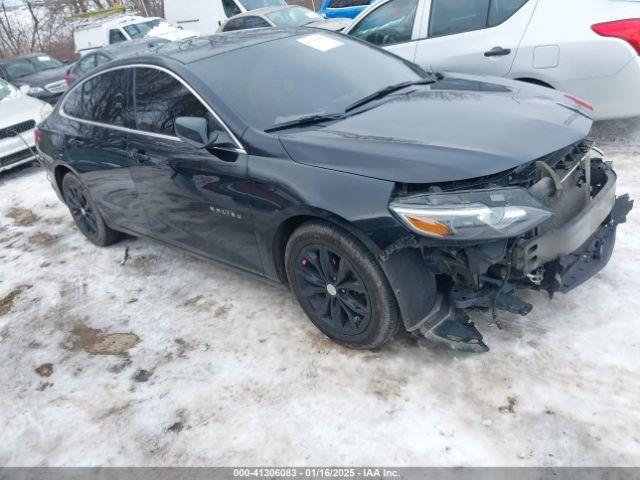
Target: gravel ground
[(168, 360)]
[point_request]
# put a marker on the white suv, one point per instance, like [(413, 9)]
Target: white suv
[(589, 48)]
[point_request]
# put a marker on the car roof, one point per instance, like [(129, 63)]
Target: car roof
[(199, 48), (123, 49), (26, 55), (265, 10)]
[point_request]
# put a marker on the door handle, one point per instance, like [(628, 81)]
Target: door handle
[(139, 156), (497, 52), (74, 142)]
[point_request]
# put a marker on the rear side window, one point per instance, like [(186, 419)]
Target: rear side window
[(160, 99), (87, 63), (502, 10), (234, 24), (449, 17), (102, 98), (255, 22), (101, 59), (389, 24)]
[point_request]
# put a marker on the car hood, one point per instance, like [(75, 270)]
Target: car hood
[(459, 128), (19, 108), (40, 79)]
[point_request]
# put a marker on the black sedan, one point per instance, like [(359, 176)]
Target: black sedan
[(384, 195), (36, 74)]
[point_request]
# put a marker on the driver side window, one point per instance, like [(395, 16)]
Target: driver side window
[(388, 24), (116, 36)]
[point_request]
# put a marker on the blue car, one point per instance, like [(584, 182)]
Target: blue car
[(343, 8)]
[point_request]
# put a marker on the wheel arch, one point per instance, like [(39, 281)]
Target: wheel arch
[(59, 173), (535, 81), (286, 228)]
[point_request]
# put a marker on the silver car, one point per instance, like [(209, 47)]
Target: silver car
[(284, 16), (19, 115)]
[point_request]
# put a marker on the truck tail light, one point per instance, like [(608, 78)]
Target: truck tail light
[(627, 30)]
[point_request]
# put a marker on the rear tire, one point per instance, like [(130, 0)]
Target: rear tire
[(85, 212), (341, 286)]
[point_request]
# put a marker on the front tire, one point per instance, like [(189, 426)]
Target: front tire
[(85, 212), (341, 286)]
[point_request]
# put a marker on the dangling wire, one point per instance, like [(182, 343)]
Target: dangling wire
[(505, 280)]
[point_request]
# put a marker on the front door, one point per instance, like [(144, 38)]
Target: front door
[(194, 198), (473, 36)]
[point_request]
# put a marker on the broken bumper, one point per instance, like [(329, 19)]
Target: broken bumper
[(573, 253)]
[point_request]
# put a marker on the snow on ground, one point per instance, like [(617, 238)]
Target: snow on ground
[(168, 360)]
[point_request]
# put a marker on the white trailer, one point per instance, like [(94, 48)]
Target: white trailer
[(92, 33), (206, 16)]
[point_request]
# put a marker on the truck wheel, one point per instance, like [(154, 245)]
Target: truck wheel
[(341, 286), (85, 212)]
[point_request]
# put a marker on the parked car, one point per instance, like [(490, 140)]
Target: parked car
[(343, 8), (95, 33), (389, 197), (19, 114), (586, 47), (206, 16), (36, 74), (97, 58), (284, 16)]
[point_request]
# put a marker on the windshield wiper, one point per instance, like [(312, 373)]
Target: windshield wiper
[(387, 90), (305, 120)]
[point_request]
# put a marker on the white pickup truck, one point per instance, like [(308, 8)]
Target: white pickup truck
[(206, 16), (97, 33)]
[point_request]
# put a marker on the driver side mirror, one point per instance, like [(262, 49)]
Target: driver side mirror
[(195, 131)]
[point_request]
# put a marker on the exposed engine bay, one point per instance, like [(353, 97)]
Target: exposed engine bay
[(546, 225)]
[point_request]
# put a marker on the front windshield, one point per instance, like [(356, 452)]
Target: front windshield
[(20, 67), (276, 76), (140, 30), (293, 17), (6, 91), (253, 4)]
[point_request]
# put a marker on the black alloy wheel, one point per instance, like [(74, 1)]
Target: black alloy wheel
[(333, 290), (85, 213), (341, 286)]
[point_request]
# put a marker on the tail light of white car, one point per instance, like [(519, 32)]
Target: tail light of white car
[(627, 30)]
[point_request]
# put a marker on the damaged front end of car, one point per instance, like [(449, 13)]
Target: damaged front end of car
[(547, 225)]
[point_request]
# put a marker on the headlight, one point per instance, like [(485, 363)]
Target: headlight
[(472, 215), (45, 111)]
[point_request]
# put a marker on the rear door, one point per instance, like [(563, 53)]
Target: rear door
[(393, 25), (98, 114), (473, 36), (194, 198)]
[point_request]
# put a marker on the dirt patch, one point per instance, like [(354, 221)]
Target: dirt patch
[(192, 301), (222, 311), (390, 387), (95, 342), (45, 370), (142, 376), (42, 238), (6, 303), (510, 407), (23, 216)]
